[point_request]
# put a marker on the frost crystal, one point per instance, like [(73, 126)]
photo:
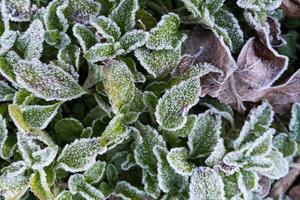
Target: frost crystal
[(7, 40), (47, 81), (16, 10), (80, 155), (262, 5), (100, 52), (177, 158), (294, 125), (126, 191), (206, 184), (44, 157), (166, 35), (133, 39)]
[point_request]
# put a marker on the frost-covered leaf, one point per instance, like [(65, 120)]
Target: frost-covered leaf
[(294, 125), (80, 11), (229, 29), (247, 182), (168, 179), (77, 184), (158, 62), (13, 187), (7, 41), (259, 120), (231, 186), (112, 174), (126, 191), (6, 92), (205, 135), (206, 184), (48, 82), (217, 154), (15, 113), (143, 152), (31, 41), (286, 146), (262, 5), (70, 54), (39, 116), (119, 84), (173, 107), (6, 66), (53, 17), (106, 27), (80, 155), (206, 47), (16, 10), (57, 39), (132, 40), (39, 185), (187, 129), (177, 158), (14, 169), (222, 109), (262, 145), (84, 36), (166, 35), (64, 195), (3, 139), (95, 173), (150, 184), (101, 52), (124, 14), (280, 165), (43, 158), (115, 132)]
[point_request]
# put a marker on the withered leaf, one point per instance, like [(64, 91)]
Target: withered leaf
[(291, 8)]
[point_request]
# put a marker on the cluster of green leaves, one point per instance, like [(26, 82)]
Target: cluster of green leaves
[(94, 105)]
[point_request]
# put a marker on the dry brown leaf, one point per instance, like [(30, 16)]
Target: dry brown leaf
[(291, 8), (282, 96), (205, 46)]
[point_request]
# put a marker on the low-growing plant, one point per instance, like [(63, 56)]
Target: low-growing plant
[(129, 99)]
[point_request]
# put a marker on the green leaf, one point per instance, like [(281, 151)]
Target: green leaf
[(248, 181), (77, 184), (172, 109), (205, 135), (80, 11), (101, 52), (84, 36), (125, 190), (294, 125), (262, 145), (115, 132), (39, 186), (7, 40), (168, 179), (13, 187), (166, 35), (57, 39), (280, 166), (80, 154), (6, 68), (231, 185), (39, 116), (143, 152), (262, 5), (43, 158), (178, 160), (118, 84), (124, 14), (286, 146), (112, 174), (31, 41), (159, 62), (132, 40), (206, 184), (186, 130), (217, 154), (6, 92), (3, 139), (150, 183), (53, 17), (95, 173), (67, 130), (259, 120), (16, 11), (64, 195), (229, 29), (48, 82), (70, 54), (106, 27), (150, 100)]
